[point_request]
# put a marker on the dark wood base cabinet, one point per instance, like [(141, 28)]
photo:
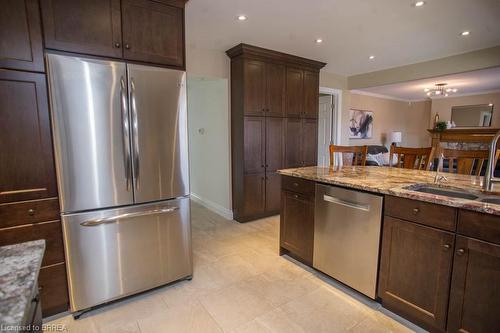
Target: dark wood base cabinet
[(297, 219), (443, 280), (53, 288)]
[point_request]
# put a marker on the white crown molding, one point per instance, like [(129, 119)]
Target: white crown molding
[(367, 93), (216, 208)]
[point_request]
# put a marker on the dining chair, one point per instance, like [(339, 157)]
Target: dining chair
[(468, 162), (411, 158), (351, 155)]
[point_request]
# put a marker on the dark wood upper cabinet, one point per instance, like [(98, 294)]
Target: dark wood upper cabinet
[(275, 94), (415, 271), (21, 36), (27, 168), (475, 292), (254, 145), (254, 73), (309, 142), (83, 26), (153, 32), (311, 94), (294, 92)]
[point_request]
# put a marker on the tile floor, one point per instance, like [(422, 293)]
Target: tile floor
[(240, 284)]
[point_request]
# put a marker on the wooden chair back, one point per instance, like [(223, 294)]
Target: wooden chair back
[(411, 158), (469, 162), (351, 155)]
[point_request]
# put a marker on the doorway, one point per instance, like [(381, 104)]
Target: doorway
[(328, 122)]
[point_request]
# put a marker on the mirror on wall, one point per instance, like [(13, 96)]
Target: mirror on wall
[(478, 115)]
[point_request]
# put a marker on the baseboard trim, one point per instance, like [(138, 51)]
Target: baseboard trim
[(216, 208)]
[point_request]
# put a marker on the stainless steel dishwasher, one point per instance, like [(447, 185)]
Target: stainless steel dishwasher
[(347, 236)]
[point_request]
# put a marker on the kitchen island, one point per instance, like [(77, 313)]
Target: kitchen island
[(436, 257), (20, 309)]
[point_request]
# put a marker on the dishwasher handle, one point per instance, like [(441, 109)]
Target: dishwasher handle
[(345, 203)]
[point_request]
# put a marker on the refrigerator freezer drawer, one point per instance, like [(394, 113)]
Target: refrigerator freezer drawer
[(117, 252)]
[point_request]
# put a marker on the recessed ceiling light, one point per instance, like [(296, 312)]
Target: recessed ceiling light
[(419, 3), (242, 17), (371, 57), (426, 89), (319, 41), (491, 104), (465, 33)]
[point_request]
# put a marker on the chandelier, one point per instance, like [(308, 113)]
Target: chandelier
[(440, 89)]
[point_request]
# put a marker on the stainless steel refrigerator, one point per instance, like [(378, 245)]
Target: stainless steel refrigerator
[(120, 138)]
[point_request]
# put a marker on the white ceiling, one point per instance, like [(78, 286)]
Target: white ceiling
[(469, 83), (393, 30)]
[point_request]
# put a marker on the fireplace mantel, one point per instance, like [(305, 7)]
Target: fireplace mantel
[(477, 135)]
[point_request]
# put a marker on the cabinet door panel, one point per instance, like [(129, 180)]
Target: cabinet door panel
[(254, 194), (21, 36), (311, 94), (84, 26), (153, 32), (254, 75), (53, 290), (475, 296), (275, 94), (254, 144), (293, 143), (27, 167), (274, 144), (309, 142), (273, 192), (297, 224), (415, 270), (294, 92)]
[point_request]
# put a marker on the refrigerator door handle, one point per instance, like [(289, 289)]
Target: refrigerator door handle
[(125, 132), (135, 132), (112, 219)]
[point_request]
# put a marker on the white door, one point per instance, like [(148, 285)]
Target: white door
[(324, 129)]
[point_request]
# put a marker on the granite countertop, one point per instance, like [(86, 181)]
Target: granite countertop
[(19, 267), (393, 181)]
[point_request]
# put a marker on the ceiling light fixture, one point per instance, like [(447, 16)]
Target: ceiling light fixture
[(440, 89), (319, 41), (465, 33), (491, 104), (242, 17), (419, 3), (371, 57)]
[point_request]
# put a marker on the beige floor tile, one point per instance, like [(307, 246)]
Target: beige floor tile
[(68, 324), (277, 321), (190, 318), (235, 305), (252, 327)]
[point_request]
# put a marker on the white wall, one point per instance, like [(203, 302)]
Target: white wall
[(209, 150)]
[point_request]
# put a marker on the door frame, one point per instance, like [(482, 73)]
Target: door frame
[(336, 117)]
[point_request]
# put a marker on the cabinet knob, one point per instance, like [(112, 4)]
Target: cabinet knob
[(31, 212), (127, 46), (460, 252), (295, 184), (447, 246), (262, 165), (267, 165), (117, 45), (416, 210), (295, 196)]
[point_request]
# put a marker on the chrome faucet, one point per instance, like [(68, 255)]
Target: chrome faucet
[(440, 178), (489, 176)]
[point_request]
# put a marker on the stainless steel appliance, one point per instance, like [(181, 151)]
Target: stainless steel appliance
[(347, 236), (120, 138)]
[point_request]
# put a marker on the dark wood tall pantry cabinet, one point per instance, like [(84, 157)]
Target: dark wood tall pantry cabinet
[(274, 111)]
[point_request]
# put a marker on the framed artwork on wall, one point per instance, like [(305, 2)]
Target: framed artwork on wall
[(360, 124)]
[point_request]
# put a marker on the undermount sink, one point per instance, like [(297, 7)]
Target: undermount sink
[(453, 193), (491, 200)]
